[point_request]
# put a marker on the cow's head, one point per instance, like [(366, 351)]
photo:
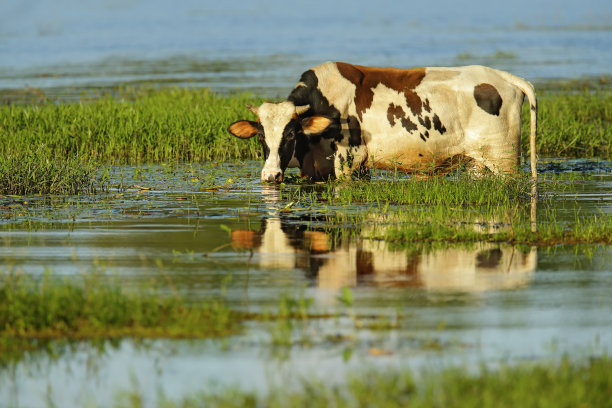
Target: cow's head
[(279, 128)]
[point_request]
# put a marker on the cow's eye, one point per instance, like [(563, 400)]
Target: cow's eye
[(260, 137)]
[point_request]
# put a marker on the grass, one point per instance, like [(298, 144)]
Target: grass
[(33, 172), (135, 127), (177, 124), (48, 308), (574, 124), (455, 209), (542, 385)]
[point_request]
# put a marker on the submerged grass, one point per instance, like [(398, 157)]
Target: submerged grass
[(562, 384), (172, 124)]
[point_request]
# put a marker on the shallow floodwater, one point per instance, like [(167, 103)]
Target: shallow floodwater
[(263, 47), (247, 243)]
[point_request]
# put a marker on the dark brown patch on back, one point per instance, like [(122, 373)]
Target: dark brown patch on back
[(488, 99), (366, 79), (437, 123), (396, 112)]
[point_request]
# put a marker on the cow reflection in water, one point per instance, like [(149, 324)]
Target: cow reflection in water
[(287, 244)]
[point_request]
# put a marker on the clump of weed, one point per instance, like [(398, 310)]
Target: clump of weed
[(37, 172), (48, 307), (576, 124)]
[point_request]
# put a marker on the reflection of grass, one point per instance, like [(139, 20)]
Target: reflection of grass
[(563, 384)]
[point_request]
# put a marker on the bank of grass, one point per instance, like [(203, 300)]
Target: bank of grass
[(572, 124), (136, 126), (178, 124), (541, 385), (48, 308), (34, 172)]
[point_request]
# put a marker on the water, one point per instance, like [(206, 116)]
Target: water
[(264, 46), (452, 304)]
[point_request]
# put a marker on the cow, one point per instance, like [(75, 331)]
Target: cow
[(341, 118)]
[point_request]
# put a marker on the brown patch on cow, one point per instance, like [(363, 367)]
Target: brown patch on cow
[(488, 99), (396, 112), (366, 79), (243, 129), (437, 123)]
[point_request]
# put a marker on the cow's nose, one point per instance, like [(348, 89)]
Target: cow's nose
[(272, 177)]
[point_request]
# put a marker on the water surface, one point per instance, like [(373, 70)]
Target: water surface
[(243, 242), (264, 47)]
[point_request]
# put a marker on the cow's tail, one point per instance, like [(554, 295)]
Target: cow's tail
[(529, 91)]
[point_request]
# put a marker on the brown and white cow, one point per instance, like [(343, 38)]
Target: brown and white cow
[(342, 117)]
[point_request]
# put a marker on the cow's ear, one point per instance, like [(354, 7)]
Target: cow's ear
[(315, 124), (243, 129)]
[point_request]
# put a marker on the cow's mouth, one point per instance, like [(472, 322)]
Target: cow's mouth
[(275, 176)]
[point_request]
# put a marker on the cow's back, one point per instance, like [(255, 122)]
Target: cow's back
[(411, 118)]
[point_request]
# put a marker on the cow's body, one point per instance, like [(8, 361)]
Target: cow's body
[(421, 120)]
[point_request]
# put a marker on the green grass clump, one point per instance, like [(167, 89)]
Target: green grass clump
[(34, 172), (48, 308), (459, 190), (542, 385), (139, 126), (572, 124)]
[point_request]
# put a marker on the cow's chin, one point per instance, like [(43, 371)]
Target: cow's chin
[(272, 175)]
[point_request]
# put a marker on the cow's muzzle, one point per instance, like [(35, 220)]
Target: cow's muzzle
[(272, 176)]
